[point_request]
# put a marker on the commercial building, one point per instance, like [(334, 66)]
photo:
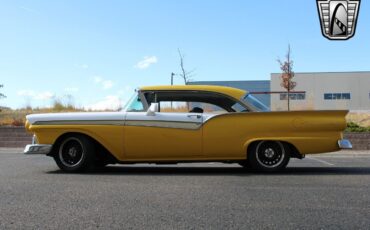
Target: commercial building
[(313, 91), (324, 91)]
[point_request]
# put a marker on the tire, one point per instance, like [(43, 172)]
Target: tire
[(268, 156), (75, 153), (245, 164)]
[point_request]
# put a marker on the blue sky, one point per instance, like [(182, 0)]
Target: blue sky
[(100, 51)]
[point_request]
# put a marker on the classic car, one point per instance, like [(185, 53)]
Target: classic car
[(187, 123)]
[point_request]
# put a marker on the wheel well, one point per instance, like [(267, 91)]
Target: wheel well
[(101, 151), (292, 150)]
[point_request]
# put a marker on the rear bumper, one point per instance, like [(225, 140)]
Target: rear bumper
[(37, 149), (344, 144)]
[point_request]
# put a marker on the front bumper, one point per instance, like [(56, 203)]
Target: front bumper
[(344, 144), (37, 149)]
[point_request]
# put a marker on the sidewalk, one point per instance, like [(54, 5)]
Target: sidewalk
[(11, 150), (344, 153)]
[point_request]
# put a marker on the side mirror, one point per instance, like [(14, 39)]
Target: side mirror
[(152, 109)]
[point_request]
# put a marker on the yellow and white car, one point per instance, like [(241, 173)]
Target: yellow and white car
[(170, 124)]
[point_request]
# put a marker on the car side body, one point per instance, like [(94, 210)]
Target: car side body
[(145, 132)]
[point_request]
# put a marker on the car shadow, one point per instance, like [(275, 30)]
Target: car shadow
[(224, 171)]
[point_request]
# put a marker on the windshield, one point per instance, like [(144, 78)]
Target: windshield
[(134, 104), (255, 103)]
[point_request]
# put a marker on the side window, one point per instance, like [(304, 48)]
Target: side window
[(173, 107), (189, 107), (206, 107), (193, 101), (135, 105)]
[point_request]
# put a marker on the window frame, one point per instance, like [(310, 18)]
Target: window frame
[(249, 109), (293, 96), (337, 96)]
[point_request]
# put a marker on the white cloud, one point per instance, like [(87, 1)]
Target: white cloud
[(28, 9), (146, 62), (106, 84), (110, 102), (71, 89), (44, 96), (26, 93), (97, 79), (125, 90), (36, 95), (82, 66)]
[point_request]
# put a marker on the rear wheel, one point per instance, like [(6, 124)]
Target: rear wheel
[(75, 154), (268, 156)]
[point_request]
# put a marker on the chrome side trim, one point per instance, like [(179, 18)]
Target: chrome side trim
[(344, 144), (144, 123), (85, 122), (37, 149), (165, 124)]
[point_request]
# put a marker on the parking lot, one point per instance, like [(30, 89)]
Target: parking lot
[(320, 192)]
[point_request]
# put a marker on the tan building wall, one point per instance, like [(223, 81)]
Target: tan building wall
[(357, 84)]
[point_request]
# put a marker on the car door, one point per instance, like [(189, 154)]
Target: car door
[(163, 136)]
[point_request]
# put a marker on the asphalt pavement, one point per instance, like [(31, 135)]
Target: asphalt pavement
[(320, 192)]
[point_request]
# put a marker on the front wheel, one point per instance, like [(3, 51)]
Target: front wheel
[(268, 156), (75, 153)]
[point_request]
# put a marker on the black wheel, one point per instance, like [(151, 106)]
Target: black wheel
[(75, 154), (268, 156)]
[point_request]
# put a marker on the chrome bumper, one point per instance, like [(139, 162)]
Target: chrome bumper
[(37, 149), (344, 144)]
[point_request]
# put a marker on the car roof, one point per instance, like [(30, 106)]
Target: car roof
[(232, 92)]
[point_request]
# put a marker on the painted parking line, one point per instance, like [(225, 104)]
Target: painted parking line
[(321, 161)]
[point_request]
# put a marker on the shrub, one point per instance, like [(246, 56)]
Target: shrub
[(353, 127), (17, 122)]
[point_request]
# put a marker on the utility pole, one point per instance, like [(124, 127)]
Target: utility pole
[(172, 75)]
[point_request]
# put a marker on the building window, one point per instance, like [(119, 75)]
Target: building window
[(337, 96), (328, 96), (293, 96), (346, 96)]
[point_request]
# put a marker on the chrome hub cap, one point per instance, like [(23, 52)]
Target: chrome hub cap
[(270, 154), (71, 152)]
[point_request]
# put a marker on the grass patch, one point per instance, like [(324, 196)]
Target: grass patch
[(17, 117)]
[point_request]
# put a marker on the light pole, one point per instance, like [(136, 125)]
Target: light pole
[(172, 75)]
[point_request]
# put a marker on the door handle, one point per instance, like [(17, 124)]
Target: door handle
[(194, 116)]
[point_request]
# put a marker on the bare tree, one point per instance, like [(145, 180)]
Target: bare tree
[(69, 101), (287, 75), (1, 94), (185, 75)]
